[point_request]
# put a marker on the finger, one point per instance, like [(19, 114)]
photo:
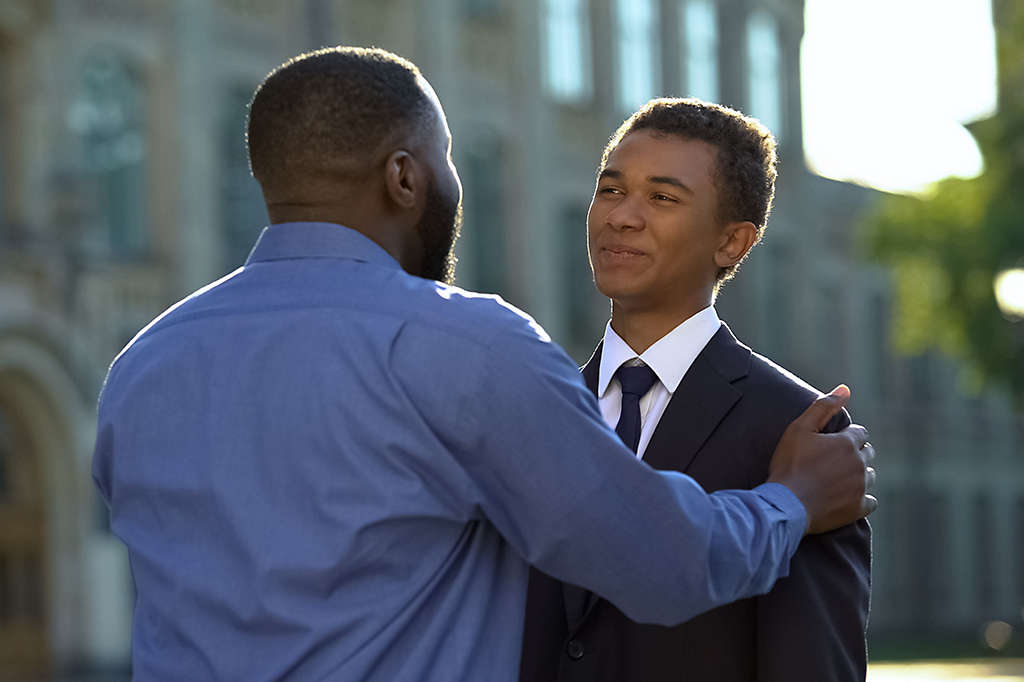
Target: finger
[(857, 434), (869, 479), (823, 409), (868, 504), (867, 453)]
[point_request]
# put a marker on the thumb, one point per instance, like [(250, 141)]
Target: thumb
[(823, 409)]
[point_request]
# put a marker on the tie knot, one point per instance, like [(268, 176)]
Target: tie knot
[(636, 380)]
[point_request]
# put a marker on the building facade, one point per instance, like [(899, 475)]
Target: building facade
[(124, 186)]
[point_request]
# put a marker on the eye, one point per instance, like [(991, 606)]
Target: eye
[(658, 196), (608, 190)]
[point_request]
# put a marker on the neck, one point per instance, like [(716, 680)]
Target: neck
[(401, 244), (642, 327)]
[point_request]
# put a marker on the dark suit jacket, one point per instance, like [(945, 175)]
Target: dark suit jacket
[(720, 427)]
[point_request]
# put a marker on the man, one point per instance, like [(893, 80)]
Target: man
[(329, 466), (683, 193)]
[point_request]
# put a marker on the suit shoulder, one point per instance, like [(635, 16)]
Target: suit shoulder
[(775, 385), (787, 393), (765, 374)]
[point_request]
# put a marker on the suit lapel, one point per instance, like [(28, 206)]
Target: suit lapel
[(700, 402)]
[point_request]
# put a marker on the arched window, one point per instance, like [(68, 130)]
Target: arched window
[(22, 603), (764, 69), (107, 116)]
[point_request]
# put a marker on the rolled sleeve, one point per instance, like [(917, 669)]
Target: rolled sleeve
[(783, 499)]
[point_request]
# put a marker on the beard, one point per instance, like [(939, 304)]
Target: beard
[(439, 229)]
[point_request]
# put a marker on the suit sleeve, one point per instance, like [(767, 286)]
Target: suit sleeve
[(812, 625)]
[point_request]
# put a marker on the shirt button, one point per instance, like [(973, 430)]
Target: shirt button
[(575, 649)]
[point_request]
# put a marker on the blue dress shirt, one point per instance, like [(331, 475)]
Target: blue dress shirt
[(325, 468)]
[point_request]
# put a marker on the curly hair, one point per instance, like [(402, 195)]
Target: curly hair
[(745, 168)]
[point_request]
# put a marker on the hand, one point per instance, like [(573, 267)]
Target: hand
[(829, 472)]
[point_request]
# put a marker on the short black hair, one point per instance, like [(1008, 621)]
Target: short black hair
[(745, 168), (330, 110)]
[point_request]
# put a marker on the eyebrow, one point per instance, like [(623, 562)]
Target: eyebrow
[(656, 179)]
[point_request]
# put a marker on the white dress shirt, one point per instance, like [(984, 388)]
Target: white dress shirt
[(670, 357)]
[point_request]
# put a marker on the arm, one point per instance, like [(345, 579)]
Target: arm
[(812, 625), (544, 469)]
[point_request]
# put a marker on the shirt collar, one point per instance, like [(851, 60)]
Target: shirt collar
[(670, 356), (317, 240)]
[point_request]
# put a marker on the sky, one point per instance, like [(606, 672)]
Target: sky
[(888, 85)]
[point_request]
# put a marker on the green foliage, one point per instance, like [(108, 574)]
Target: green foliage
[(945, 250)]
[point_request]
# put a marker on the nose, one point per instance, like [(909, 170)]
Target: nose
[(626, 214)]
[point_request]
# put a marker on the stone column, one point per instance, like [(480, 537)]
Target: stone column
[(199, 245)]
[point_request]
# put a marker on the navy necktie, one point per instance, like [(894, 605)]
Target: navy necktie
[(635, 382)]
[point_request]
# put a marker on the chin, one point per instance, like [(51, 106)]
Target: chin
[(616, 287)]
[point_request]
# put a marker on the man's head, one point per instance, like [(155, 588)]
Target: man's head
[(358, 137), (684, 191)]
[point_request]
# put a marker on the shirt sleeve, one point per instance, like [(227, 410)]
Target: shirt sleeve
[(560, 487)]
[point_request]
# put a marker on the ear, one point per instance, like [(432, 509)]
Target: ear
[(404, 179), (737, 239)]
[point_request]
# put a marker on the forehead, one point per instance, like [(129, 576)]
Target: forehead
[(650, 153)]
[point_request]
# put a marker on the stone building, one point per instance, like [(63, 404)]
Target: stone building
[(124, 186)]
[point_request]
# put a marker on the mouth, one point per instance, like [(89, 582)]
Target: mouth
[(620, 253)]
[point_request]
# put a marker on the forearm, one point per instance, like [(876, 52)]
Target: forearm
[(696, 551)]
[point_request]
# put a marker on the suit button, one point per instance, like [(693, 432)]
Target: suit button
[(575, 649)]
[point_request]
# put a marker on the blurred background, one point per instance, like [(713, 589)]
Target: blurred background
[(124, 186)]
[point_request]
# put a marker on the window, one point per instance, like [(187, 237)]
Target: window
[(243, 213), (984, 551), (878, 341), (764, 69), (567, 49), (107, 116), (6, 457), (484, 206), (639, 72), (481, 9), (932, 583), (582, 299), (1019, 542), (699, 33)]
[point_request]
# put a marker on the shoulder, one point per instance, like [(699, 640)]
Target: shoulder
[(772, 378), (773, 388), (473, 328), (456, 320)]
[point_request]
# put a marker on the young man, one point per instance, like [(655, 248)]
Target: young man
[(683, 193)]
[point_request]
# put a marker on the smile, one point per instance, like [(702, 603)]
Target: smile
[(620, 252)]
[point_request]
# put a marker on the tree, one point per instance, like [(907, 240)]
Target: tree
[(946, 250)]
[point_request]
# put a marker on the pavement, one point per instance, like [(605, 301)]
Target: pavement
[(987, 670)]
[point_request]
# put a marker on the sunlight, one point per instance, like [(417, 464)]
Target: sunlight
[(1009, 287), (887, 86)]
